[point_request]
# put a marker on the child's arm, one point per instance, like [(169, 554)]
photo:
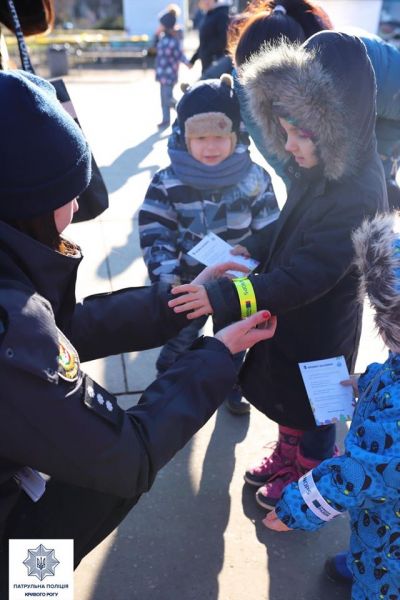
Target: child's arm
[(306, 274), (158, 227), (365, 476), (179, 54), (272, 521)]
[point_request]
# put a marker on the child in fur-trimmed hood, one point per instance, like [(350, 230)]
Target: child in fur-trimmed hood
[(315, 104), (365, 480)]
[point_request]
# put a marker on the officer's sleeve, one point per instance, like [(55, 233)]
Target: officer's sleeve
[(57, 420), (128, 320)]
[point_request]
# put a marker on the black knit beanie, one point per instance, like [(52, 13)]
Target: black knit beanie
[(209, 107), (44, 157), (168, 19)]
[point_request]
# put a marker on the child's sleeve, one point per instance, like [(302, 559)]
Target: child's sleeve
[(264, 212), (158, 231), (179, 53), (366, 476), (306, 273), (264, 208)]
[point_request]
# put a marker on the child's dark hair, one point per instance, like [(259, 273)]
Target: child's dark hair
[(267, 22)]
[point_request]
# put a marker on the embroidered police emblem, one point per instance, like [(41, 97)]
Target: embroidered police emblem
[(68, 359), (41, 562)]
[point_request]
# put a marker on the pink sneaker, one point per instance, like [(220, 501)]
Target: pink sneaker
[(283, 455), (269, 494)]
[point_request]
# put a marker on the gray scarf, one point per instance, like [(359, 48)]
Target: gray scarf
[(207, 177)]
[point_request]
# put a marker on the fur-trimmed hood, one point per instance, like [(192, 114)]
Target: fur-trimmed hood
[(377, 256), (327, 86)]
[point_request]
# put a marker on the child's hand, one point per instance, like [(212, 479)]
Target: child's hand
[(353, 382), (244, 334), (221, 270), (194, 298), (272, 522), (241, 251)]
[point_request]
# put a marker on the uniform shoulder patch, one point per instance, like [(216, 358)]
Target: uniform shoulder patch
[(68, 359), (104, 404)]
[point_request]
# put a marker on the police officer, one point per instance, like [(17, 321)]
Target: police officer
[(54, 419)]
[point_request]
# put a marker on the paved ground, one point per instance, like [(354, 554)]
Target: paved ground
[(198, 534)]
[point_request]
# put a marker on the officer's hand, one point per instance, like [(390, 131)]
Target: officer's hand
[(244, 334)]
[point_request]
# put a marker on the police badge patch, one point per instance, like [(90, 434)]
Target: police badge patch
[(68, 359)]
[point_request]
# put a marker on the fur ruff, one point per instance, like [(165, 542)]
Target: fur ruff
[(293, 78), (378, 260)]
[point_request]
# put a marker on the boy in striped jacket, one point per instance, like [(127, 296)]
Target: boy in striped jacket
[(211, 185)]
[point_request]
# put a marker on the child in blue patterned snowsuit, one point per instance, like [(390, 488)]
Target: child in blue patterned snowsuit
[(365, 480)]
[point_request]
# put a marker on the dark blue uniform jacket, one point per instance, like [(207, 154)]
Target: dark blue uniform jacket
[(53, 417)]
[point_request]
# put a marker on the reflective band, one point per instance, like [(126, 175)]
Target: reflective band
[(315, 502), (247, 298)]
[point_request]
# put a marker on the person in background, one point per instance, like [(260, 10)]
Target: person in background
[(212, 34), (315, 104), (269, 21), (198, 17), (168, 58), (211, 185), (364, 480), (55, 419)]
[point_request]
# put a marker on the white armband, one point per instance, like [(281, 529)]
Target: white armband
[(315, 502)]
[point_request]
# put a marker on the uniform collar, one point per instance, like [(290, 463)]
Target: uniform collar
[(50, 273)]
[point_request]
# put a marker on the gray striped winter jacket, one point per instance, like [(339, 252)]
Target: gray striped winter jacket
[(174, 217)]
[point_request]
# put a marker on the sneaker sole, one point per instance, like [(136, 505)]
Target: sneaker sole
[(253, 483), (239, 410), (268, 505)]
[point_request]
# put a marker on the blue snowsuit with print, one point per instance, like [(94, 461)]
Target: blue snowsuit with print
[(365, 481)]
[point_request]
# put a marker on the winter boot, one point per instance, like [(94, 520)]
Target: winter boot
[(269, 494), (336, 568), (283, 455), (235, 403)]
